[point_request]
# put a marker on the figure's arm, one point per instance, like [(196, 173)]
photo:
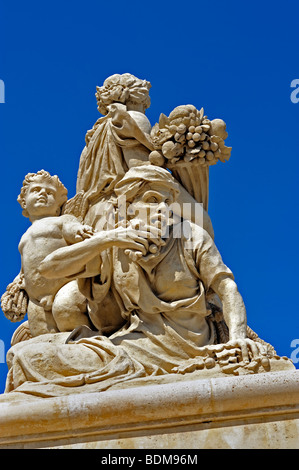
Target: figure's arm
[(73, 231), (235, 317), (70, 260), (234, 311), (127, 127)]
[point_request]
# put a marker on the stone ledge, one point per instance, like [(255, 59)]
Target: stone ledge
[(149, 415)]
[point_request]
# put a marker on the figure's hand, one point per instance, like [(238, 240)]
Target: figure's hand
[(153, 235), (74, 232), (252, 351), (85, 231), (129, 238), (118, 113), (153, 232)]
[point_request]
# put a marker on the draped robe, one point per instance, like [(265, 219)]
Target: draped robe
[(162, 298)]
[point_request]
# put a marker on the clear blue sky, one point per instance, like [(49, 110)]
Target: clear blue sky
[(236, 59)]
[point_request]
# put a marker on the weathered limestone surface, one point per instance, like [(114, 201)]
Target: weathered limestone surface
[(256, 411)]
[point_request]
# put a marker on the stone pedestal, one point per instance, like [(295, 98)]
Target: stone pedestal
[(247, 412)]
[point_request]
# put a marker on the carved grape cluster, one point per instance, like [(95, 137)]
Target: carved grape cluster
[(187, 135)]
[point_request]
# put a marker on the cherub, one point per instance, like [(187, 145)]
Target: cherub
[(53, 304)]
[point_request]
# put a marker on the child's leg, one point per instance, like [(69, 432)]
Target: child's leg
[(70, 308)]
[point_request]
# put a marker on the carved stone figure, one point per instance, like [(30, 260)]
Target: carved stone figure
[(118, 141), (127, 283), (49, 308)]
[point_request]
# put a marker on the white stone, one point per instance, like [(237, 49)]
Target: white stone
[(250, 412)]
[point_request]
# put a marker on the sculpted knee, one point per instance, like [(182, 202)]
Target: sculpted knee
[(69, 308)]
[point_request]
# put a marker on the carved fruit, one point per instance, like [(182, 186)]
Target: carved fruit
[(191, 143), (182, 128), (218, 127), (210, 363), (173, 129), (171, 149), (213, 146), (156, 158)]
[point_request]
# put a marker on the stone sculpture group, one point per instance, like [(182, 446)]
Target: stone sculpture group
[(123, 283)]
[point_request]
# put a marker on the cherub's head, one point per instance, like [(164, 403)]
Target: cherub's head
[(126, 89), (42, 195)]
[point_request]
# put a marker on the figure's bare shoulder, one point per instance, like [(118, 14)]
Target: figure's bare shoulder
[(68, 218), (198, 235), (142, 120)]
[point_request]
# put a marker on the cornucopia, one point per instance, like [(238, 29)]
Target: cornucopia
[(188, 143)]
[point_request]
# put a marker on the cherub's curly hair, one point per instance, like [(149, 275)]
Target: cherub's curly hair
[(121, 89), (44, 175)]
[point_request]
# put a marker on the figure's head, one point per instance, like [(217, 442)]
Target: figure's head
[(126, 89), (42, 195), (149, 190), (138, 179)]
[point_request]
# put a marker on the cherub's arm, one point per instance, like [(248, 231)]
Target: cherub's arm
[(73, 231), (71, 260)]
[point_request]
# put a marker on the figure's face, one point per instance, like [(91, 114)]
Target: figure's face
[(153, 206), (41, 199)]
